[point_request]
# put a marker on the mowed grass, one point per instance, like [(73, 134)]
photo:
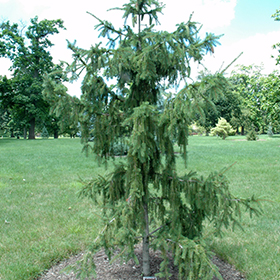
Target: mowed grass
[(43, 221), (256, 251)]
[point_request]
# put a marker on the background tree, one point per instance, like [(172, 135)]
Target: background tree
[(5, 116), (144, 197), (30, 59), (5, 122), (271, 100), (276, 17), (64, 108), (226, 104), (13, 107), (248, 84), (10, 122)]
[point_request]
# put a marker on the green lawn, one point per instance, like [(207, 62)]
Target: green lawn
[(43, 221), (256, 251)]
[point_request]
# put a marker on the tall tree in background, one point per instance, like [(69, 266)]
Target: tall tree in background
[(30, 59), (271, 99), (276, 17), (248, 84), (5, 115), (12, 105), (226, 105), (272, 103), (144, 198)]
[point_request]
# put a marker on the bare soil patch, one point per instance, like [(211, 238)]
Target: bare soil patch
[(130, 271)]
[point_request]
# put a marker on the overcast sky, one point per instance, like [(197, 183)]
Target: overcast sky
[(246, 24)]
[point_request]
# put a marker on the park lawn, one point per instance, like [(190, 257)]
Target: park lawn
[(43, 221), (256, 170)]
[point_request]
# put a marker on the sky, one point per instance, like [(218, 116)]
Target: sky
[(246, 26)]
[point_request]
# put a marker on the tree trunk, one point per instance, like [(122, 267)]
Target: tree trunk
[(24, 132), (31, 134), (12, 134), (55, 134), (242, 130), (145, 254)]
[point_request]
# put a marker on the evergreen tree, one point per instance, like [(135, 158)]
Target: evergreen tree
[(45, 133), (144, 198)]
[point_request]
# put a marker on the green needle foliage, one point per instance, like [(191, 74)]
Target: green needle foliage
[(144, 199)]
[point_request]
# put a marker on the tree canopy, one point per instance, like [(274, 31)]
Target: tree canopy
[(276, 17), (28, 52), (259, 96)]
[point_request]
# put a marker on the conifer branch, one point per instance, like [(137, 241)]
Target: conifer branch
[(159, 228), (225, 170), (223, 71), (103, 230), (169, 240), (106, 25), (78, 56)]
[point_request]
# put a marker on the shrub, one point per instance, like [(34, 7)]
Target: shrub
[(252, 135), (222, 129), (197, 129)]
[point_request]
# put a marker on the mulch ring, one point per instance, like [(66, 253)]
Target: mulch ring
[(130, 271)]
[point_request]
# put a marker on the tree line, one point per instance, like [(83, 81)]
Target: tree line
[(35, 98), (250, 102)]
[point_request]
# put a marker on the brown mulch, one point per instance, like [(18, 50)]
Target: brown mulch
[(130, 271)]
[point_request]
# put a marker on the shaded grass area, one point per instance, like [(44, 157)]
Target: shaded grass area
[(43, 221), (256, 170)]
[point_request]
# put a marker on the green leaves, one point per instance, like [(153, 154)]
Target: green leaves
[(259, 95), (30, 58)]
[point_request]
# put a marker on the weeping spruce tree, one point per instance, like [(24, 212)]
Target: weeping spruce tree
[(144, 199)]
